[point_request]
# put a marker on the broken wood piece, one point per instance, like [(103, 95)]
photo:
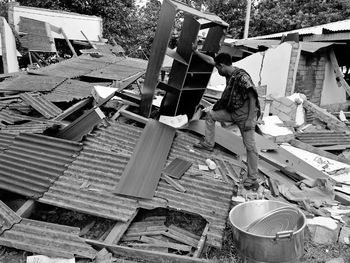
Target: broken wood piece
[(177, 168), (145, 233), (273, 184), (339, 75), (119, 229), (182, 236), (166, 244), (26, 209), (173, 183), (103, 256), (86, 228), (150, 256), (201, 242), (92, 45)]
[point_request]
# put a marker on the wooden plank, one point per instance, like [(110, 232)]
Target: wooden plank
[(119, 229), (177, 168), (229, 140), (317, 150), (201, 242), (149, 256), (158, 50), (339, 75), (173, 183), (142, 173), (284, 160), (166, 244), (26, 209), (133, 116), (184, 232)]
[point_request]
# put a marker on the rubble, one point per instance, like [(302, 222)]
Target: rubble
[(69, 131)]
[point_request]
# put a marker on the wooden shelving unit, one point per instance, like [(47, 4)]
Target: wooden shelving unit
[(189, 75)]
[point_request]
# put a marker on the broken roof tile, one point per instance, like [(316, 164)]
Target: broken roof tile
[(28, 127), (88, 183), (46, 238), (7, 217), (38, 102), (30, 83), (70, 90), (76, 67), (33, 162)]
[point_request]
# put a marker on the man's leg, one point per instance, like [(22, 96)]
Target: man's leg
[(211, 118), (252, 152)]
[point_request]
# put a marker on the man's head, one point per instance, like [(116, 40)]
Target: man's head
[(223, 62)]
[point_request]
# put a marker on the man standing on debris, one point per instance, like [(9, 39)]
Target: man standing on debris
[(238, 104)]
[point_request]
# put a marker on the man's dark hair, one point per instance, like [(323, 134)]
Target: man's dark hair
[(223, 58)]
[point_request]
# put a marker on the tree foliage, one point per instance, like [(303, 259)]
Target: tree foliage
[(134, 29), (272, 16)]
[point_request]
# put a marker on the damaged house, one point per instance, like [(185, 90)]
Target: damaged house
[(89, 171)]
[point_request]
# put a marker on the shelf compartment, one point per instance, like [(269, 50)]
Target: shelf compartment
[(173, 54)]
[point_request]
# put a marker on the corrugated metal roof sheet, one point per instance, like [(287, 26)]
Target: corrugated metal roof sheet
[(312, 47), (38, 102), (88, 183), (76, 67), (7, 217), (324, 138), (33, 162), (20, 106), (70, 90), (30, 83), (334, 26), (6, 139), (120, 70), (48, 239), (29, 127), (334, 36), (11, 117)]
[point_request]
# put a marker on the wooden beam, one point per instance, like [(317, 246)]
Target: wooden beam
[(317, 150), (133, 116), (68, 42), (339, 75), (72, 109), (119, 229), (173, 183), (93, 46), (201, 242), (150, 256), (26, 209)]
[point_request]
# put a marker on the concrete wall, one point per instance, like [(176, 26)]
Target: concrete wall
[(311, 75), (72, 23), (270, 67)]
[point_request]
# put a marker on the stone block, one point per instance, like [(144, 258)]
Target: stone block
[(324, 230), (344, 235)]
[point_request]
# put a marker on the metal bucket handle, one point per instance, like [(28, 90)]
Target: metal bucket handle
[(284, 234)]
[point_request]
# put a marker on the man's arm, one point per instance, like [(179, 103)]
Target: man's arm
[(250, 122), (202, 56)]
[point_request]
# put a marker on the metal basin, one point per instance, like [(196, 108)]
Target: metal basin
[(278, 238)]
